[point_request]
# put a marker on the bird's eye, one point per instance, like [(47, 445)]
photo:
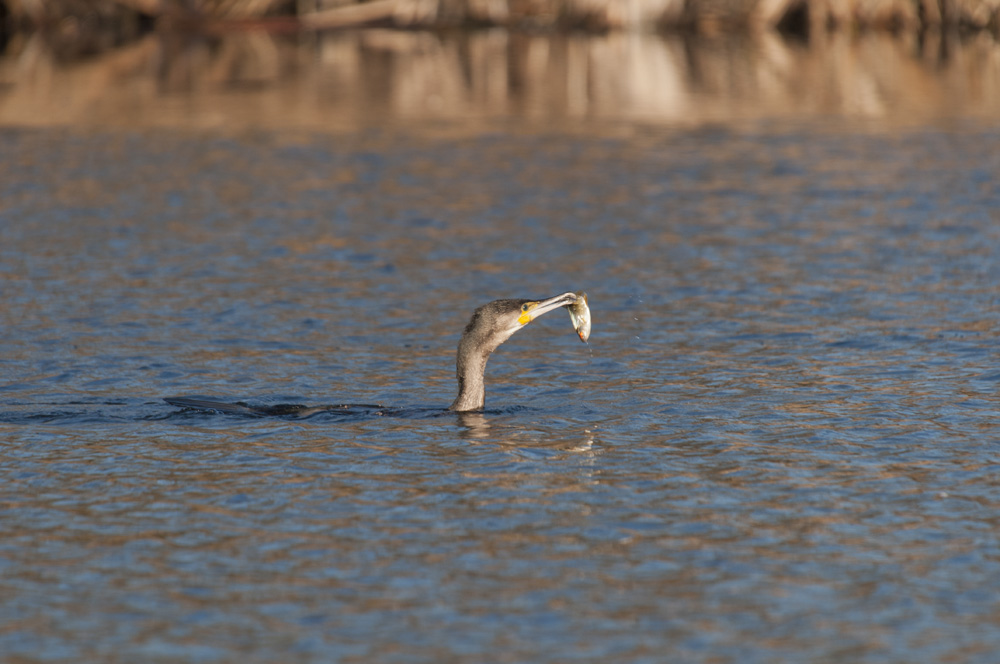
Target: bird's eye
[(524, 308)]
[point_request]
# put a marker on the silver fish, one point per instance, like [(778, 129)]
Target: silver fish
[(579, 313)]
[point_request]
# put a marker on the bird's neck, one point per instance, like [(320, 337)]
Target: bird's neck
[(471, 383)]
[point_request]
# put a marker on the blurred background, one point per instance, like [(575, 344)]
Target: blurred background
[(340, 64), (780, 444)]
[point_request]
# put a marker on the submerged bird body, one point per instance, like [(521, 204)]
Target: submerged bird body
[(490, 325)]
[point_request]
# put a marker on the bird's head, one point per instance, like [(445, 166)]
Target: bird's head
[(495, 322)]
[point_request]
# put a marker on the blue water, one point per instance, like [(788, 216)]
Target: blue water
[(780, 443)]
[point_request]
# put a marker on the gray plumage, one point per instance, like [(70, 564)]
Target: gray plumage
[(490, 325)]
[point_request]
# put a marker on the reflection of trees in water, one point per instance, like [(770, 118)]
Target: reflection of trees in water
[(374, 76)]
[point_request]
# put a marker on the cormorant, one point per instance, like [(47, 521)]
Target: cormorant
[(490, 325)]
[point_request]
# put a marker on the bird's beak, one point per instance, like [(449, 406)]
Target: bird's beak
[(535, 309)]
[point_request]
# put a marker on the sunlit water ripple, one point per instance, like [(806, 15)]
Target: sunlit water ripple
[(780, 443)]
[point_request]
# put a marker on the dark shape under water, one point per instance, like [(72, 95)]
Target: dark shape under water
[(490, 325)]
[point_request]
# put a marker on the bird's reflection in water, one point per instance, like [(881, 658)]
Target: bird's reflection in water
[(584, 446), (475, 425)]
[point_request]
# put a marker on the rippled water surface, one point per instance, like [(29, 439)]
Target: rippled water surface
[(779, 445)]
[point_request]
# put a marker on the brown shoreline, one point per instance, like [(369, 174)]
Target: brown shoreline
[(482, 81)]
